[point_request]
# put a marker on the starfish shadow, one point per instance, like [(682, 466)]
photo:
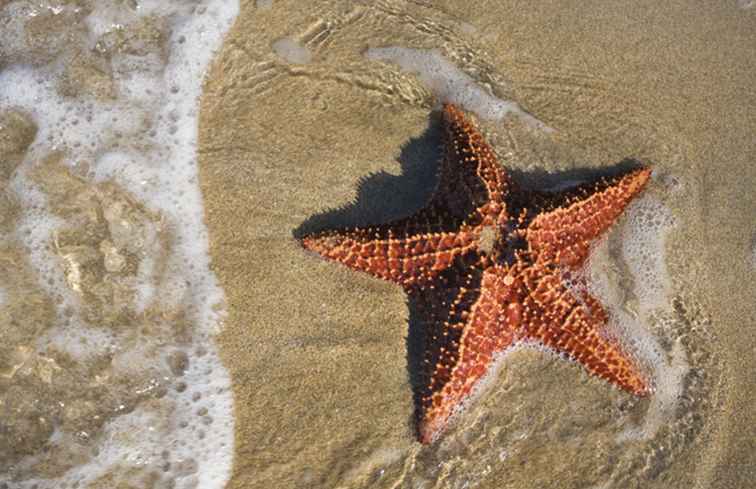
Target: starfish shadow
[(383, 197), (543, 181)]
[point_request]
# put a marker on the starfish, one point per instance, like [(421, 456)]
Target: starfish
[(488, 266)]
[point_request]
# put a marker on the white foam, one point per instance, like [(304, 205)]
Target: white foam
[(647, 224), (643, 236), (264, 4), (669, 372), (745, 4), (450, 84), (83, 344), (35, 229), (146, 141), (292, 51), (12, 19)]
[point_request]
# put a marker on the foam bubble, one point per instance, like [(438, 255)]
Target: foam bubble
[(450, 84), (292, 51), (127, 166)]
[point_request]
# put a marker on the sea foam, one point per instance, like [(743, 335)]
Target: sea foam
[(450, 84), (134, 147), (647, 222)]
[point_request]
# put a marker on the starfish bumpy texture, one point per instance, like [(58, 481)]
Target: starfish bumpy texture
[(489, 266)]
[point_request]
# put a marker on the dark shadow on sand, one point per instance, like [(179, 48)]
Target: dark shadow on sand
[(382, 197)]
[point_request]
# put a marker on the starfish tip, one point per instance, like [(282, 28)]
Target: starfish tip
[(429, 428), (452, 112)]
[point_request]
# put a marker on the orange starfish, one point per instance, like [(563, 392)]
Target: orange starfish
[(488, 266)]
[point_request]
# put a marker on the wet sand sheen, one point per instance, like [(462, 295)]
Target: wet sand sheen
[(318, 355)]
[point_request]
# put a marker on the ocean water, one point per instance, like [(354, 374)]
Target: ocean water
[(109, 374)]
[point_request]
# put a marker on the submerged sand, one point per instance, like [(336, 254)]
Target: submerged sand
[(290, 129)]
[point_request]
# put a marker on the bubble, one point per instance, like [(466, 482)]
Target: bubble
[(292, 51), (178, 362)]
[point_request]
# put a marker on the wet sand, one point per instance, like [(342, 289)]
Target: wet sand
[(317, 354)]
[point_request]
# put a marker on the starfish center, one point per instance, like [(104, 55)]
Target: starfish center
[(487, 239)]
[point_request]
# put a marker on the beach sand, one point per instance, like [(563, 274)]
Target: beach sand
[(296, 121)]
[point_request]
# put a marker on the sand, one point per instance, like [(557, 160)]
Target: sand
[(317, 355)]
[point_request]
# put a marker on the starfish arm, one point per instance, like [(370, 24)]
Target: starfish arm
[(413, 250), (468, 321), (391, 252), (570, 321), (471, 179), (563, 234)]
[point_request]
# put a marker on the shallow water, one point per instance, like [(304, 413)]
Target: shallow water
[(109, 375), (128, 325)]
